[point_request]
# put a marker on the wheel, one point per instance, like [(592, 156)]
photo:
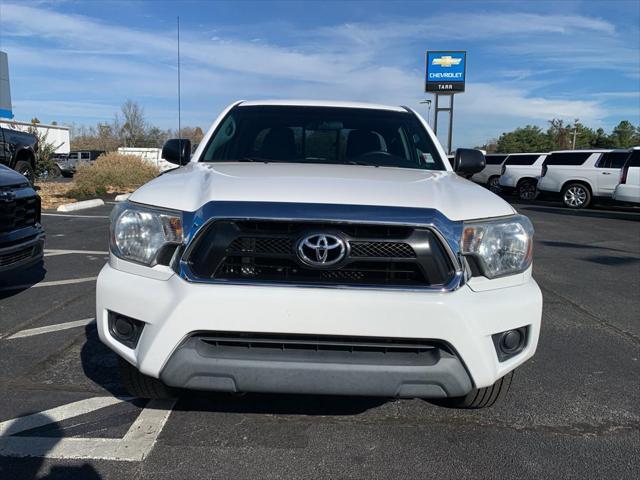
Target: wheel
[(527, 190), (54, 171), (480, 397), (25, 168), (493, 184), (67, 174), (140, 385), (576, 195)]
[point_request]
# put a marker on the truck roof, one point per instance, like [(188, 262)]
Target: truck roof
[(320, 103), (597, 150)]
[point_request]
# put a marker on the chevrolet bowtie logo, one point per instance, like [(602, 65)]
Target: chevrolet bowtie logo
[(446, 61)]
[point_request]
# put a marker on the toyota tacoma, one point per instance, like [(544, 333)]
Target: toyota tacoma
[(319, 248)]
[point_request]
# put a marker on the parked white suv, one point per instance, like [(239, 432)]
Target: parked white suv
[(628, 190), (319, 248), (489, 176), (520, 173), (579, 176)]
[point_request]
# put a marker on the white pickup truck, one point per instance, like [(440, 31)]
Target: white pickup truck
[(319, 248), (579, 176)]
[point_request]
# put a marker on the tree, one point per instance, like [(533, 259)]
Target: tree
[(625, 135), (525, 139), (46, 150), (490, 147), (601, 139), (559, 134), (135, 125), (584, 136), (35, 120), (195, 134), (154, 138)]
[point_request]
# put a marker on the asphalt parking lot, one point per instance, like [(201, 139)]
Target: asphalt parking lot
[(572, 411)]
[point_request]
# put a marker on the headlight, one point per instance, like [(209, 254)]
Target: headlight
[(139, 233), (501, 247)]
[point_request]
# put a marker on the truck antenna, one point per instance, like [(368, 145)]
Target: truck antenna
[(179, 106)]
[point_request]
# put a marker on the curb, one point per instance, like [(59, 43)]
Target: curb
[(72, 207), (122, 197)]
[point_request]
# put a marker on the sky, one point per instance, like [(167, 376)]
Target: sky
[(76, 62)]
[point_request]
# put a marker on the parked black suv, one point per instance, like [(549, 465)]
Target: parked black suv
[(21, 234)]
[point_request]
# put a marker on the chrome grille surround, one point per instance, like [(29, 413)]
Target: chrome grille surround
[(447, 232)]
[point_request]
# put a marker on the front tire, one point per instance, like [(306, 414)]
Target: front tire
[(55, 171), (576, 195), (24, 167), (140, 385), (493, 184), (527, 190), (480, 397)]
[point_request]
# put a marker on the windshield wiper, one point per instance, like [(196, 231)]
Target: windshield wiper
[(254, 159), (362, 164)]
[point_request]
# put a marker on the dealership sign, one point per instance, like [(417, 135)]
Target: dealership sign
[(446, 72)]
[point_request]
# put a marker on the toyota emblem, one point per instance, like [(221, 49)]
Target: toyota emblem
[(321, 249)]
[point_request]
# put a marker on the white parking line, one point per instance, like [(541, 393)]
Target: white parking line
[(134, 446), (56, 414), (51, 328), (74, 216), (55, 252), (53, 283)]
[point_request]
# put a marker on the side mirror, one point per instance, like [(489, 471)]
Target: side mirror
[(177, 150), (468, 161)]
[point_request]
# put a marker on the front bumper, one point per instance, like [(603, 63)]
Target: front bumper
[(173, 310), (21, 252)]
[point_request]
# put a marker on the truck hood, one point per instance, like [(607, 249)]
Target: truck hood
[(190, 187), (11, 178)]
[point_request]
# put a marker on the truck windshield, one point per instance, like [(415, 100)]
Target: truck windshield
[(329, 135)]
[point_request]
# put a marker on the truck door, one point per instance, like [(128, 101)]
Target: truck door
[(608, 172)]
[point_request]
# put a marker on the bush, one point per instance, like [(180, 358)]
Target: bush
[(112, 172)]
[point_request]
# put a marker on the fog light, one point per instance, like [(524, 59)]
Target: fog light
[(510, 342), (125, 329)]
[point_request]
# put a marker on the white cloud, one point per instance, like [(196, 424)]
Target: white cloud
[(352, 61)]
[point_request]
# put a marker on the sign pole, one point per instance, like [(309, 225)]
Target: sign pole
[(435, 117), (449, 110), (450, 124)]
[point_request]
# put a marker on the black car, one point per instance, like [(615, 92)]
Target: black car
[(21, 233)]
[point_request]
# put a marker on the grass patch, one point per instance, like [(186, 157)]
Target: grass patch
[(109, 173)]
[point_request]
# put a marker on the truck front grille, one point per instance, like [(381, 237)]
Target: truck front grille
[(19, 212), (266, 251)]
